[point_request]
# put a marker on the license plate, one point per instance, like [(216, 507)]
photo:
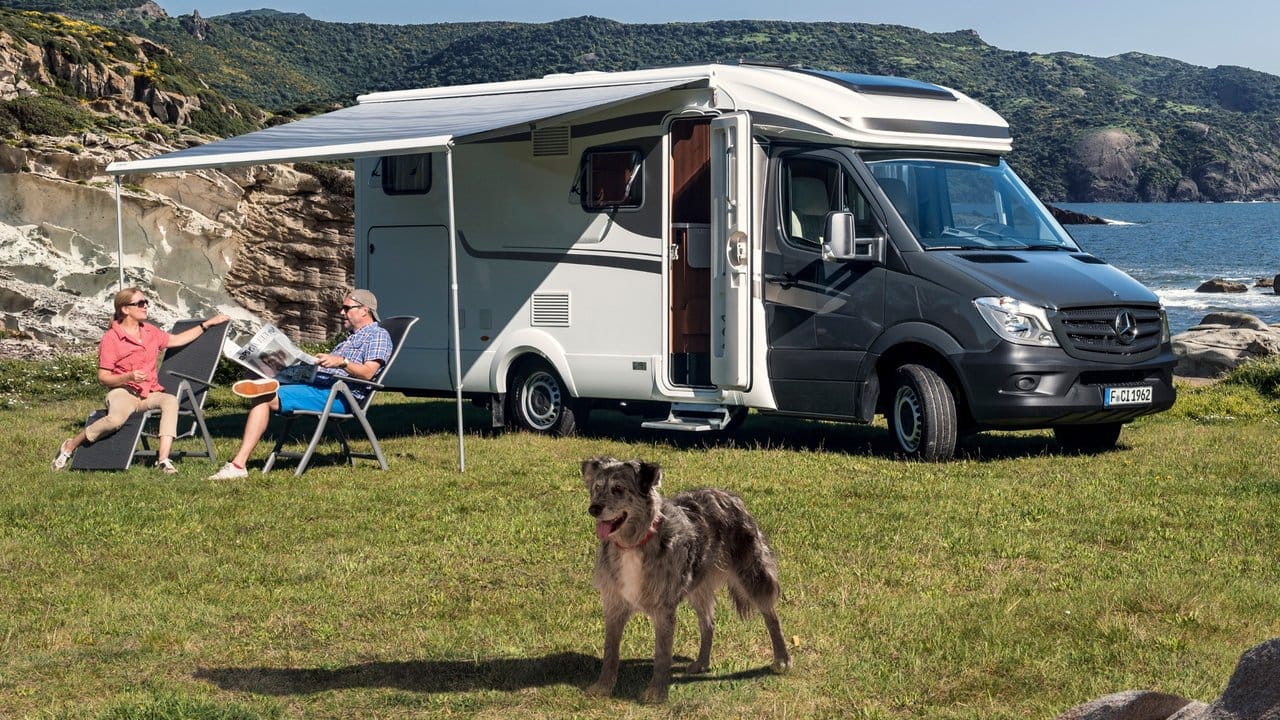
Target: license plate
[(1126, 396)]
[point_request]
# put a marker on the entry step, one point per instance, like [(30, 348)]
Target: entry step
[(691, 417)]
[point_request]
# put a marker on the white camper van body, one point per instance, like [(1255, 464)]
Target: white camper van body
[(659, 296)]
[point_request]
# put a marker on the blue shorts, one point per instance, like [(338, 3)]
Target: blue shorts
[(308, 397)]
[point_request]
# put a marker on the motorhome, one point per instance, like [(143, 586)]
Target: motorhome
[(694, 242)]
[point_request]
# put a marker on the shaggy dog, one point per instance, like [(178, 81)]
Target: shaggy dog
[(655, 552)]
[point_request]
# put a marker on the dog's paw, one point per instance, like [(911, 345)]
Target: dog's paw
[(599, 690), (654, 696), (697, 667), (781, 666)]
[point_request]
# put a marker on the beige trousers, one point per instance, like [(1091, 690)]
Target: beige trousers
[(121, 404)]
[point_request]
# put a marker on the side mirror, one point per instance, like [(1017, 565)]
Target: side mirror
[(843, 244)]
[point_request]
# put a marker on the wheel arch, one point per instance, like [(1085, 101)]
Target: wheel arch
[(922, 344), (523, 345)]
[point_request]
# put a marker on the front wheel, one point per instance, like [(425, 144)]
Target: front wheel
[(1088, 438), (538, 401), (923, 415)]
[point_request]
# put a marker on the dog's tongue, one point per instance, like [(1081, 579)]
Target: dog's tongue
[(603, 529)]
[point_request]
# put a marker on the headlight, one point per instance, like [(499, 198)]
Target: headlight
[(1016, 321), (1165, 335)]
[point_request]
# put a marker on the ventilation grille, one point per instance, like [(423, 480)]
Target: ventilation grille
[(551, 310), (551, 141), (993, 258), (1102, 329)]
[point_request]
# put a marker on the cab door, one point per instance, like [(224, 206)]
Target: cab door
[(821, 315), (731, 256)]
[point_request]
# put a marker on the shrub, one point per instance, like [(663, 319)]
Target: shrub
[(42, 115)]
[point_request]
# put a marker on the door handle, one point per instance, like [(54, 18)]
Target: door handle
[(785, 280)]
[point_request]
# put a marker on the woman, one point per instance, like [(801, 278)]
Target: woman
[(128, 364)]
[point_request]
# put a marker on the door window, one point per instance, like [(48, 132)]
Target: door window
[(812, 188)]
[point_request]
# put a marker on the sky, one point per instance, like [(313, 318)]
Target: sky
[(1208, 33)]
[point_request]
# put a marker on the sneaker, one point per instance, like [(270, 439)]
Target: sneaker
[(166, 466), (230, 472), (255, 388), (63, 457)]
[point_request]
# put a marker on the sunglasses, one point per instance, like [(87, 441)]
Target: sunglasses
[(349, 308), (140, 303)]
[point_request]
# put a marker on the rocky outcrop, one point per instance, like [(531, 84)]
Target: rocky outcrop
[(1221, 342), (1219, 285), (1071, 217), (1252, 693), (265, 242), (1122, 165)]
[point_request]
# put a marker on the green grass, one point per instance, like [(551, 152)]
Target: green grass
[(1012, 583)]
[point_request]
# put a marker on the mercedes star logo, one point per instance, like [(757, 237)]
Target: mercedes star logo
[(1126, 327)]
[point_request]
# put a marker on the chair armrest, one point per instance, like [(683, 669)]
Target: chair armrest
[(196, 380), (350, 379)]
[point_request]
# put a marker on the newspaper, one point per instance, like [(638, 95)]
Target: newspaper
[(271, 354)]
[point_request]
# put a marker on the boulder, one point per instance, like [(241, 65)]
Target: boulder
[(1218, 285), (1221, 342), (1128, 705), (1252, 694)]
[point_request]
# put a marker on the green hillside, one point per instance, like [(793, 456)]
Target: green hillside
[(1192, 132)]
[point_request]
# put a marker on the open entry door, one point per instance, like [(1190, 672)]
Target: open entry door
[(731, 244)]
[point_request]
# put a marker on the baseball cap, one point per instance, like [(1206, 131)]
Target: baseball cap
[(367, 299)]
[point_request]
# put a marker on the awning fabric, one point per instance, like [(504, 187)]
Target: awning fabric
[(393, 127)]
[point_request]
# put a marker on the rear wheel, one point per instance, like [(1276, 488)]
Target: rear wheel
[(923, 414), (538, 401), (1088, 438)]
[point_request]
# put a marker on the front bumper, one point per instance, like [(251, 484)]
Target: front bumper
[(1020, 387)]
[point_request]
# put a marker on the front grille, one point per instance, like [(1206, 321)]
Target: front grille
[(1100, 329)]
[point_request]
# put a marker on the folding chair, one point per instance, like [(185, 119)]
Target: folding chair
[(398, 327), (185, 371)]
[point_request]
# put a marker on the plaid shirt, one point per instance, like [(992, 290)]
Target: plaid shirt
[(371, 342)]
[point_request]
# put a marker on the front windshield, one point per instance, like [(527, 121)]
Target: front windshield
[(957, 205)]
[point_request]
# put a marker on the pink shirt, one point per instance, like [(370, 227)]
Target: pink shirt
[(118, 354)]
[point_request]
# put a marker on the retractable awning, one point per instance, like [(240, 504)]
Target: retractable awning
[(395, 126), (399, 123)]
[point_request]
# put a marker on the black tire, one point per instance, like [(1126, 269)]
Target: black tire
[(922, 414), (538, 402), (1088, 438)]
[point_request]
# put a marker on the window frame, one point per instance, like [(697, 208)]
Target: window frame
[(388, 176), (586, 179)]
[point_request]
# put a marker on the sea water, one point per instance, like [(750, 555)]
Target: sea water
[(1174, 247)]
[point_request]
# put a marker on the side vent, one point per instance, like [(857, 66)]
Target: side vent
[(551, 141), (550, 310)]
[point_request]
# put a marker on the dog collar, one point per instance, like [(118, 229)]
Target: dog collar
[(653, 528)]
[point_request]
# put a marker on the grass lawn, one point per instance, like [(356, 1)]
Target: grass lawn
[(1012, 583)]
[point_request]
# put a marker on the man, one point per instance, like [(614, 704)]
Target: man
[(362, 355)]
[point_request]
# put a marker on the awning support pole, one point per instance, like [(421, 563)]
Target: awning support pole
[(453, 307), (119, 235)]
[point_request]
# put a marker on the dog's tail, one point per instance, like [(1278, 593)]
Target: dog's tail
[(756, 586)]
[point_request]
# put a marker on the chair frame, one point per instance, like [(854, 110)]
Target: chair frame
[(341, 388)]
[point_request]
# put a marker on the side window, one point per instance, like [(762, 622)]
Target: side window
[(611, 179), (811, 189), (405, 174)]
